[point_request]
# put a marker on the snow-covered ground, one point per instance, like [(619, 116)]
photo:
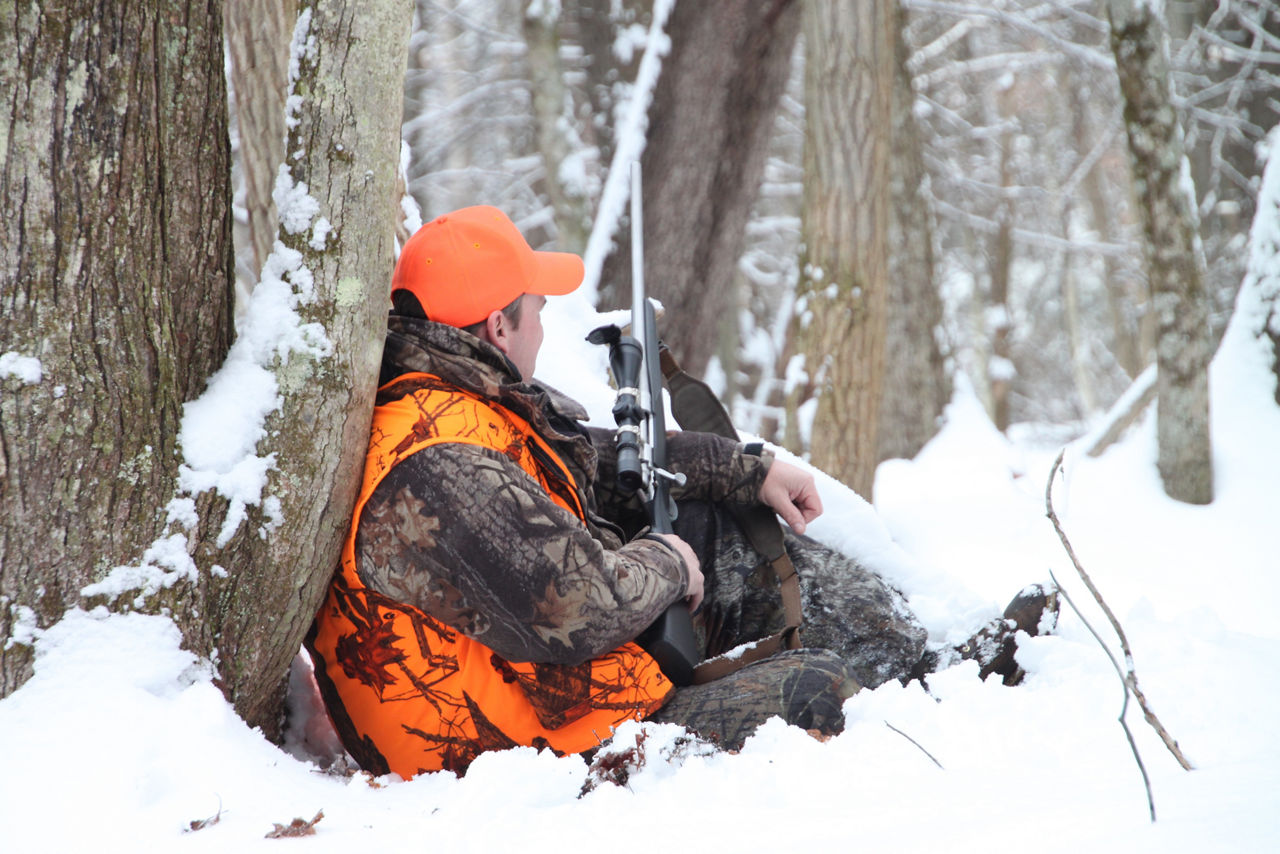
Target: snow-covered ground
[(120, 741)]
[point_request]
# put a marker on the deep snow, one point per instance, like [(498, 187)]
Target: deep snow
[(120, 741)]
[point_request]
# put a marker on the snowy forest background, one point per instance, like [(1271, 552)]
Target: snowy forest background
[(166, 525), (1038, 249)]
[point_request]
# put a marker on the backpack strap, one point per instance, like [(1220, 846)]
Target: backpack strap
[(696, 408)]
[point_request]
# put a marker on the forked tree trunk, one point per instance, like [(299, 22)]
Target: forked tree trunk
[(842, 292), (345, 151), (1175, 264), (128, 309)]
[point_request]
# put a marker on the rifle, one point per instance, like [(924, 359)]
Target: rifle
[(642, 444)]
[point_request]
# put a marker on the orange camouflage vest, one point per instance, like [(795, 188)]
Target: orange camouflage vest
[(408, 693)]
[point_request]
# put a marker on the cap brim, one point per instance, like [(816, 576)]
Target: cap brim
[(557, 273)]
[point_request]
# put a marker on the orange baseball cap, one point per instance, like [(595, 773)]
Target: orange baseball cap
[(464, 265)]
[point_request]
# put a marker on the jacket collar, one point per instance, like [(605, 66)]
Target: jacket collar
[(459, 358)]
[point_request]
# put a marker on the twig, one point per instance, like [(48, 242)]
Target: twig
[(916, 743), (1131, 677), (202, 823), (1146, 781)]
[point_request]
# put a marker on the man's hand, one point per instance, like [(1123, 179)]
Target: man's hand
[(792, 494), (693, 593)]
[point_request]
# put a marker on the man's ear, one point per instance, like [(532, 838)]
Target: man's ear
[(498, 331)]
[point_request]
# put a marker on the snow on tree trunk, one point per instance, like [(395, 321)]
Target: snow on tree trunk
[(708, 135), (115, 287), (226, 512), (843, 286), (1257, 312), (337, 202), (1175, 264)]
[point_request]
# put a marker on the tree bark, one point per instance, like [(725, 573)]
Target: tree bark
[(258, 34), (117, 277), (1000, 367), (849, 71), (709, 127), (599, 24), (142, 288), (1074, 326), (1175, 264), (552, 121), (916, 386), (347, 144)]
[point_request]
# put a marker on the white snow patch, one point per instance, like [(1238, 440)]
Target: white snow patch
[(26, 369)]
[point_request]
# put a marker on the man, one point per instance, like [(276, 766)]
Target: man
[(494, 579)]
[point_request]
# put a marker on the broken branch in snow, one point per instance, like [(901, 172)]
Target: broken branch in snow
[(202, 823), (1130, 677), (295, 828), (916, 743)]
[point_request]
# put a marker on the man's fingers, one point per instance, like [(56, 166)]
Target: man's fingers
[(696, 587), (793, 517), (810, 504)]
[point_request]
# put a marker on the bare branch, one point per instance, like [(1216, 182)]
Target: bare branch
[(916, 743), (1088, 55), (1104, 143), (995, 63), (1128, 734), (1035, 238), (1131, 677)]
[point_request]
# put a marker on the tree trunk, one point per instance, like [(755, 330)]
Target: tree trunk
[(1176, 267), (552, 121), (99, 475), (1074, 325), (258, 34), (599, 25), (347, 135), (849, 71), (916, 386), (117, 278), (1000, 367), (1127, 297), (709, 127), (1257, 306)]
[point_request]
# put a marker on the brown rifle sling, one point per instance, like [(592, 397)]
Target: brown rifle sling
[(696, 408)]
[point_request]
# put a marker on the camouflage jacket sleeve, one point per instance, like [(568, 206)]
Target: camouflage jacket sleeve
[(716, 469), (467, 536)]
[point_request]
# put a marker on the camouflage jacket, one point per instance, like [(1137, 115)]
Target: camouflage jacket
[(464, 534)]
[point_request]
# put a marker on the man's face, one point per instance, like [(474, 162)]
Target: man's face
[(525, 340)]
